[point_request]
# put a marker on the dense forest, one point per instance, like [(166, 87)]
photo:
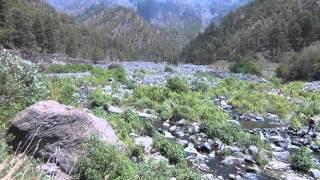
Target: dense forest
[(266, 28), (33, 26)]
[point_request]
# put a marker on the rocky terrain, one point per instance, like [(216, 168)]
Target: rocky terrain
[(222, 125)]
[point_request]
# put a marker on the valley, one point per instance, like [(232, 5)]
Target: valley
[(160, 89)]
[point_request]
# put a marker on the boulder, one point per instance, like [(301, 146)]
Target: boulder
[(115, 110), (281, 156), (230, 160), (55, 132), (146, 142)]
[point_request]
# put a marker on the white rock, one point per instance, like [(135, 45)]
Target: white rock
[(115, 110)]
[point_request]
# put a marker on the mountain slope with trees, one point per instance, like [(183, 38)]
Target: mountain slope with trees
[(267, 28), (118, 34)]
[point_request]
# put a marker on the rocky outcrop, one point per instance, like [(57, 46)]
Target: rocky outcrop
[(54, 132)]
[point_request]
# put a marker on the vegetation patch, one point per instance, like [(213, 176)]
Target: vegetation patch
[(302, 159), (68, 68)]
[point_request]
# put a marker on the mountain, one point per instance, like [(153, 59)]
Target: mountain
[(186, 16), (109, 33), (263, 28), (134, 35)]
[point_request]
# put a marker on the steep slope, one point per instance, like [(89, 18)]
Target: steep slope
[(137, 37), (185, 16), (119, 34), (266, 28)]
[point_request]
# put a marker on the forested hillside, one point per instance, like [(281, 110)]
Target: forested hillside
[(32, 26), (263, 27), (137, 38)]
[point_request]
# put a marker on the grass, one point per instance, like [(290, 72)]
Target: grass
[(68, 68)]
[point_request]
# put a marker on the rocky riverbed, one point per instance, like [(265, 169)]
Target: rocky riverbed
[(211, 156)]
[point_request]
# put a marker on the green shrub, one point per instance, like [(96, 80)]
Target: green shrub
[(173, 151), (20, 85), (246, 67), (177, 85), (302, 159), (138, 152), (69, 68), (200, 86), (168, 69), (64, 91), (282, 72), (102, 161), (166, 110), (115, 66), (98, 98), (162, 170), (227, 132), (144, 103), (99, 76)]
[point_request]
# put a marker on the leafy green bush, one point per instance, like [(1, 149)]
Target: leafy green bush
[(138, 152), (166, 110), (177, 85), (282, 72), (302, 159), (101, 75), (68, 68), (99, 99), (227, 132), (20, 85), (173, 151), (102, 161), (144, 103), (64, 91), (246, 67)]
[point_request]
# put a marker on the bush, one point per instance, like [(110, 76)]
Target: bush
[(20, 85), (282, 72), (64, 91), (166, 110), (302, 159), (246, 67), (305, 64), (177, 85), (69, 68), (99, 99), (168, 69), (200, 86), (115, 66), (102, 161), (227, 132), (173, 151)]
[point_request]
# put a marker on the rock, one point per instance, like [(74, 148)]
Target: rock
[(53, 171), (182, 122), (281, 156), (253, 150), (278, 165), (115, 110), (232, 176), (168, 135), (249, 159), (108, 89), (178, 133), (230, 160), (184, 143), (134, 159), (252, 169), (146, 142), (191, 151), (276, 148), (173, 128), (147, 116), (158, 157), (166, 125), (234, 149), (58, 131), (206, 148), (315, 173)]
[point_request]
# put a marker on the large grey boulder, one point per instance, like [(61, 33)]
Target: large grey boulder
[(54, 132)]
